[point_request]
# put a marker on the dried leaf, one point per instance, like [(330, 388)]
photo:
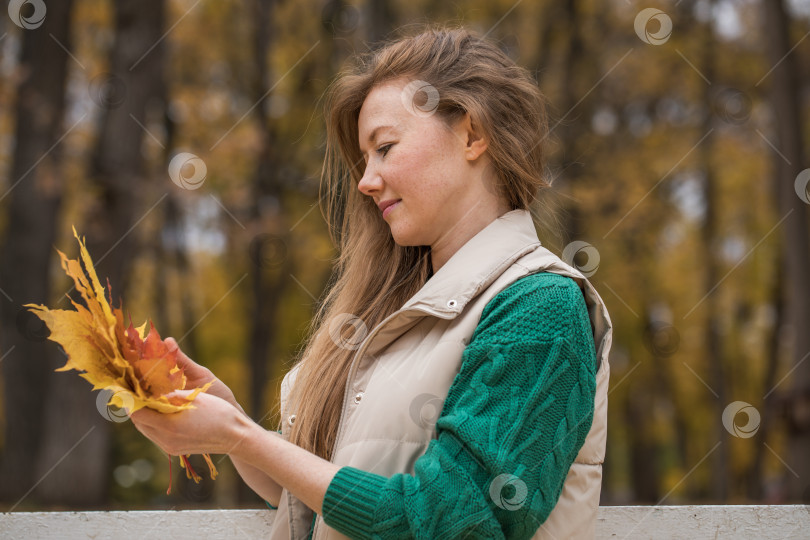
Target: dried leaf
[(139, 372)]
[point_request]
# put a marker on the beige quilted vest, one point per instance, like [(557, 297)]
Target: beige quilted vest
[(412, 357)]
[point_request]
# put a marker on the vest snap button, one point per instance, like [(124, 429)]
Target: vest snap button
[(451, 303), (291, 419), (358, 397)]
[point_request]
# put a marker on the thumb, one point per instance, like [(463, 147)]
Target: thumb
[(182, 359), (143, 415), (178, 394), (180, 397)]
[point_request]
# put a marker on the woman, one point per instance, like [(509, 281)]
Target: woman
[(470, 399)]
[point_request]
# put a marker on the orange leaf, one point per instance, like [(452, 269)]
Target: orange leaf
[(139, 372)]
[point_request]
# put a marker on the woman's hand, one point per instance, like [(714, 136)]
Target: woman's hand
[(208, 429), (214, 426), (197, 375)]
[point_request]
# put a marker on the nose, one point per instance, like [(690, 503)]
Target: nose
[(371, 181)]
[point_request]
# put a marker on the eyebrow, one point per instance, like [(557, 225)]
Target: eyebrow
[(374, 132)]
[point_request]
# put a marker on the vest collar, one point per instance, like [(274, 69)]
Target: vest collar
[(477, 264)]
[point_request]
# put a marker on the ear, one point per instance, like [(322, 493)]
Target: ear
[(475, 141)]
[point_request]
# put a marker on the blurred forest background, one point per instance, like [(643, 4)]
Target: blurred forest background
[(678, 149)]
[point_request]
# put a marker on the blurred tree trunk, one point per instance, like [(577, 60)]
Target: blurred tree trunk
[(171, 252), (122, 196), (575, 68), (546, 25), (32, 202), (756, 473), (644, 476), (340, 22), (710, 247), (265, 212), (379, 20), (270, 266), (784, 96), (662, 346)]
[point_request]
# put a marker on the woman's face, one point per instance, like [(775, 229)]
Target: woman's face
[(437, 174)]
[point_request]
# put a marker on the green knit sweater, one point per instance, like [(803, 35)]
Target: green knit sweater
[(513, 421)]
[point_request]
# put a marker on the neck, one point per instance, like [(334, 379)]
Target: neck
[(461, 232)]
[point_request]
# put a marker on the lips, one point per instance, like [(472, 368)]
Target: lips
[(389, 209), (387, 206)]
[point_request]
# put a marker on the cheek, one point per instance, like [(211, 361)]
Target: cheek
[(420, 170)]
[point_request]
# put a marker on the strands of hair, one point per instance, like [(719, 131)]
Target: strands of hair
[(373, 276)]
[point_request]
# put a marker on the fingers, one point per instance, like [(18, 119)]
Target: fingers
[(172, 343), (144, 416), (178, 394), (182, 359)]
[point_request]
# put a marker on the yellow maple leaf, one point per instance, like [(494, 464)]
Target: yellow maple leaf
[(138, 371)]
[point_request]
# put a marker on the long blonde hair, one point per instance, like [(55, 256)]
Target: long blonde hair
[(373, 276)]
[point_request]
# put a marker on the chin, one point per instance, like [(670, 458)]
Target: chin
[(404, 243), (403, 239)]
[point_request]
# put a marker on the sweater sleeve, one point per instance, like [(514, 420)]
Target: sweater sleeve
[(512, 424)]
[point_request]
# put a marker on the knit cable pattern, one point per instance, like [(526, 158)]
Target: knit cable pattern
[(512, 424)]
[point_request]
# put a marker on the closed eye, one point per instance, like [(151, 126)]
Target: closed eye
[(384, 149)]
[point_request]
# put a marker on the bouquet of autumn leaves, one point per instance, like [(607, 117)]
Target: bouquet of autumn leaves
[(138, 372)]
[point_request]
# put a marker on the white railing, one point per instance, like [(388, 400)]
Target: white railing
[(692, 522)]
